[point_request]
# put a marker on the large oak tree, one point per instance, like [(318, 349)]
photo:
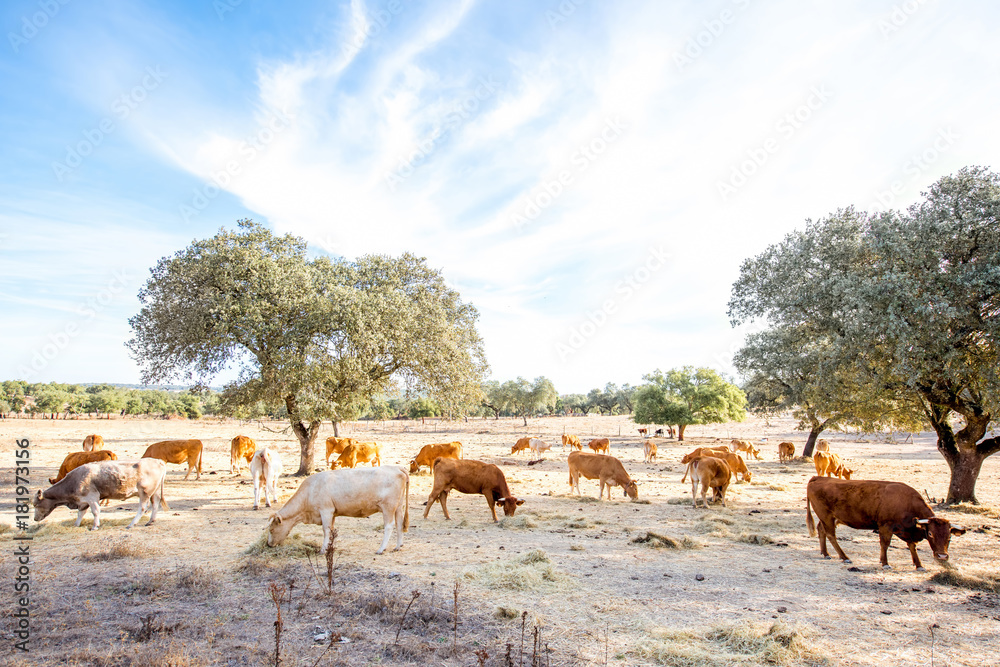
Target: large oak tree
[(319, 336)]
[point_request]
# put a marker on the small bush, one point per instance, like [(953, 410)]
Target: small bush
[(517, 523), (743, 643), (534, 571), (294, 546), (117, 549), (657, 541), (754, 538), (951, 576)]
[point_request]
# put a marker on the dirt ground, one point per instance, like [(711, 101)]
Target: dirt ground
[(742, 585)]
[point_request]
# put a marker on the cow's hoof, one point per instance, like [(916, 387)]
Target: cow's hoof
[(846, 561), (94, 527), (887, 567), (150, 523), (825, 557), (255, 508), (378, 553), (921, 569), (397, 548)]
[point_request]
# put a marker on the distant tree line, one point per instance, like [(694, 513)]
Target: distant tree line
[(60, 401)]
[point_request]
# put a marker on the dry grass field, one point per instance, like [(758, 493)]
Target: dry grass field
[(652, 582)]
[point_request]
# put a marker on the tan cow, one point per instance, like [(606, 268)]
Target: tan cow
[(242, 448), (600, 445), (427, 454), (822, 445), (177, 451), (358, 452), (700, 451), (830, 465), (649, 451), (711, 473), (474, 477), (786, 451), (746, 446), (735, 462), (522, 444), (74, 460), (573, 441), (335, 445), (607, 469), (92, 443)]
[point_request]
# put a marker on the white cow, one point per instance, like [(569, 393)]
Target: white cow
[(355, 492), (265, 468), (538, 446), (85, 487)]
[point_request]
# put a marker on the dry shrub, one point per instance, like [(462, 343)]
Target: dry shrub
[(5, 528), (197, 579), (577, 547), (507, 613), (715, 524), (642, 501), (679, 500), (579, 523), (517, 523), (755, 538), (117, 549), (771, 486), (534, 571), (978, 581), (253, 567), (742, 643), (294, 546), (968, 508), (657, 541)]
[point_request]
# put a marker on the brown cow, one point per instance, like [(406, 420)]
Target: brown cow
[(644, 432), (241, 448), (746, 446), (831, 465), (890, 508), (735, 462), (600, 445), (427, 454), (74, 460), (521, 445), (607, 469), (358, 452), (786, 451), (177, 451), (711, 473), (649, 451), (573, 441), (467, 476), (92, 443), (700, 451), (335, 445)]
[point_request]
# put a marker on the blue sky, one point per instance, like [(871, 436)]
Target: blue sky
[(588, 174)]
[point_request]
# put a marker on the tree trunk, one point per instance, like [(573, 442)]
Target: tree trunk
[(807, 451), (525, 418), (336, 428), (680, 432), (965, 465), (305, 434), (964, 456)]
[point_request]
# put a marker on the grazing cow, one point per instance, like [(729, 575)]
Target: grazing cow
[(469, 476), (831, 465), (573, 441), (177, 451), (822, 445), (735, 462), (336, 445), (746, 446), (538, 446), (711, 473), (86, 486), (607, 469), (358, 452), (600, 445), (644, 432), (521, 445), (659, 432), (265, 468), (890, 508), (74, 460), (786, 451), (92, 443), (242, 448), (649, 451), (427, 454), (359, 493), (700, 451)]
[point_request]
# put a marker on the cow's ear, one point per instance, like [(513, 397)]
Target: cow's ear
[(38, 495), (521, 502), (274, 518), (957, 530)]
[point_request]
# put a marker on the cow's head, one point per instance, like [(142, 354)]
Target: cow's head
[(632, 489), (846, 473), (111, 455), (688, 458), (43, 506), (747, 475), (277, 530), (514, 450), (939, 532), (413, 466), (509, 505)]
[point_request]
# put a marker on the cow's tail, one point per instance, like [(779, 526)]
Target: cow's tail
[(406, 510), (201, 453), (687, 472), (809, 517), (163, 498)]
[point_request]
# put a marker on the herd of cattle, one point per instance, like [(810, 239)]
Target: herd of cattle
[(88, 477)]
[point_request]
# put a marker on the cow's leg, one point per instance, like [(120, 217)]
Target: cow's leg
[(79, 515), (155, 498), (272, 484), (400, 518), (256, 489), (694, 492), (430, 501), (327, 517), (388, 520), (704, 490), (492, 503), (722, 494), (831, 534), (95, 509), (916, 558), (884, 538), (142, 510), (443, 499)]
